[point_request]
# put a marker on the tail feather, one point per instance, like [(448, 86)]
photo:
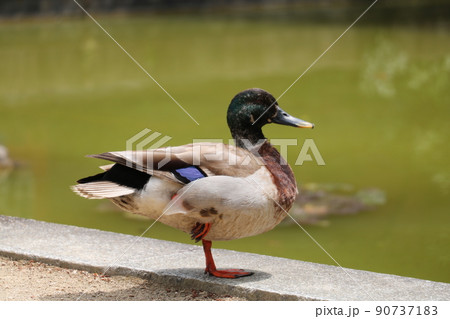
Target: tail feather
[(106, 167), (99, 190)]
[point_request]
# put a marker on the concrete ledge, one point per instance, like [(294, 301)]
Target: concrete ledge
[(182, 265)]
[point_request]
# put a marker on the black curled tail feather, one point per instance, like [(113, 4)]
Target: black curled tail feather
[(121, 175)]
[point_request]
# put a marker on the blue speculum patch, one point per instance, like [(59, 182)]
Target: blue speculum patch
[(190, 173)]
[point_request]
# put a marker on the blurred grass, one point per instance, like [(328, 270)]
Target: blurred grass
[(379, 99)]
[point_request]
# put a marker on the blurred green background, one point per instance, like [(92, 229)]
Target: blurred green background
[(379, 98)]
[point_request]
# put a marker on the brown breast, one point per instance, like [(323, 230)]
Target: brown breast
[(282, 176)]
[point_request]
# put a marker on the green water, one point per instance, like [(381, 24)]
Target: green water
[(379, 98)]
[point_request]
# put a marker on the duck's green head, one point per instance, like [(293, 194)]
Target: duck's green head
[(251, 109)]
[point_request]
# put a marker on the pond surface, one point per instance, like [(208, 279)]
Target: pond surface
[(379, 98)]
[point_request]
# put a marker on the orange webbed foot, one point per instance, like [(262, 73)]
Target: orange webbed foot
[(228, 273)]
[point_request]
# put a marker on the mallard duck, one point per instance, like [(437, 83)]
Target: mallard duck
[(212, 191)]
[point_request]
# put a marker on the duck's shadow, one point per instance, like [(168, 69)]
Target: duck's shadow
[(198, 274), (178, 284)]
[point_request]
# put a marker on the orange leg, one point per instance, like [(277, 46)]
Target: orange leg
[(211, 266)]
